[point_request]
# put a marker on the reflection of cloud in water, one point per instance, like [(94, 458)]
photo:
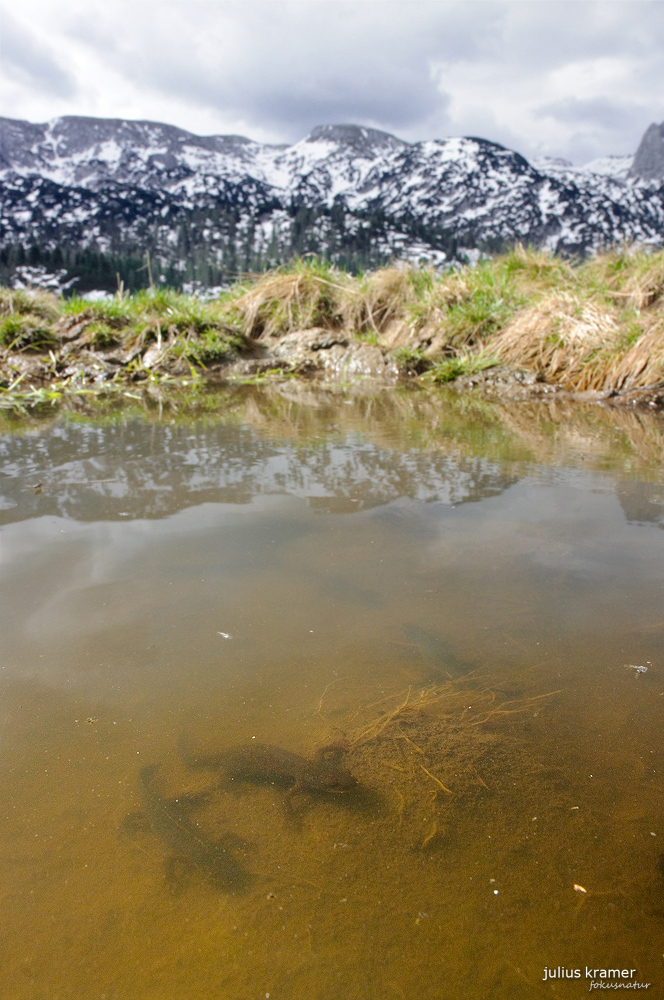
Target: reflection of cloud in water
[(643, 503), (151, 471), (97, 575), (539, 557), (563, 527), (224, 528)]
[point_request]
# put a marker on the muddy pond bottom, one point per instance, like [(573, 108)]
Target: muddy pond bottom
[(332, 699)]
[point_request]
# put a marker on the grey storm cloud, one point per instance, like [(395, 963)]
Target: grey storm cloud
[(27, 61), (575, 79), (294, 103), (398, 107), (601, 112), (297, 65)]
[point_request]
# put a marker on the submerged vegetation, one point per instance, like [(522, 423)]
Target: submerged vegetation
[(597, 325)]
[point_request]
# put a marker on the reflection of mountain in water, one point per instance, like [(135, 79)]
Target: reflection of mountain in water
[(145, 470), (643, 503)]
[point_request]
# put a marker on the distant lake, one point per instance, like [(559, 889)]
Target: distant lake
[(459, 602)]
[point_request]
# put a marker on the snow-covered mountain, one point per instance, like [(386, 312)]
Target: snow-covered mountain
[(211, 206)]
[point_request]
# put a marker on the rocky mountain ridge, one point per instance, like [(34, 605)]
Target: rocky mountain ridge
[(208, 207)]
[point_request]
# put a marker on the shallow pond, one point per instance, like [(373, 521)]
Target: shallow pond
[(461, 603)]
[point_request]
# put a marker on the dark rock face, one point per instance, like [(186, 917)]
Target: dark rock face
[(331, 354), (16, 140), (649, 157), (364, 141)]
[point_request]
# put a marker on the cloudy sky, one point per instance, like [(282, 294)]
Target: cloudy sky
[(575, 79)]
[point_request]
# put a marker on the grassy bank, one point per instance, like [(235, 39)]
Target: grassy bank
[(596, 325)]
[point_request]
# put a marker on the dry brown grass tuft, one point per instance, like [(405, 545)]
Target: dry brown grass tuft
[(310, 296), (567, 341), (29, 301), (384, 299), (643, 363), (280, 303), (647, 288)]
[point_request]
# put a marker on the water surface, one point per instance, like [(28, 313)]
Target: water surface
[(465, 598)]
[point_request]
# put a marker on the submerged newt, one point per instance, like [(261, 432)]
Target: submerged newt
[(169, 820), (265, 764)]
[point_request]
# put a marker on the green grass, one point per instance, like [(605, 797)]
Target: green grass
[(591, 324), (450, 368), (491, 300), (26, 332), (411, 361)]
